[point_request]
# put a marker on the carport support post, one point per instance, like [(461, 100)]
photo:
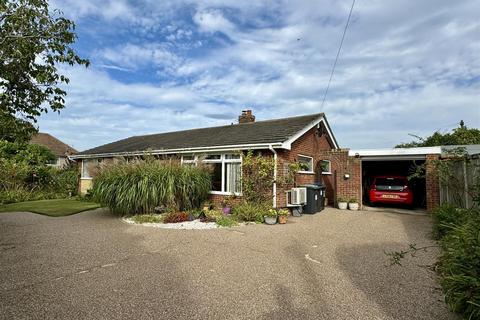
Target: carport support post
[(432, 182)]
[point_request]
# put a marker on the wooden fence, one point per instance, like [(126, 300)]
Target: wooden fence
[(458, 188)]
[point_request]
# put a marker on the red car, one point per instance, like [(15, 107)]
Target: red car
[(391, 189)]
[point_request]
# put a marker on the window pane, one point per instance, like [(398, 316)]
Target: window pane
[(232, 156), (305, 163), (233, 175), (325, 166), (216, 171), (188, 158), (213, 157), (85, 168)]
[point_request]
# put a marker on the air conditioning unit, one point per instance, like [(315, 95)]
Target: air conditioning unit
[(296, 197)]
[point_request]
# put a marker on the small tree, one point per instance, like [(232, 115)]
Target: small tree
[(33, 41)]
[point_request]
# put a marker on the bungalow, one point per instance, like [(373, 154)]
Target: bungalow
[(302, 139), (60, 149)]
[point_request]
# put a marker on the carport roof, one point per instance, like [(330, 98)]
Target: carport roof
[(410, 153)]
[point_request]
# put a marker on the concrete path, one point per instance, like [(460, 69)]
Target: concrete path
[(326, 266)]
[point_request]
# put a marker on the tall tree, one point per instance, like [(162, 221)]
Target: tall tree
[(459, 136), (33, 42)]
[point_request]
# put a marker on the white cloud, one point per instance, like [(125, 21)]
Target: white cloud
[(406, 67), (212, 20)]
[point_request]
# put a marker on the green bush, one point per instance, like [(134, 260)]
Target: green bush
[(226, 221), (25, 175), (460, 261), (446, 217), (148, 218), (139, 187), (249, 211)]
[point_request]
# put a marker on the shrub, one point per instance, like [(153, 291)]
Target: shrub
[(248, 211), (24, 174), (226, 221), (148, 218), (196, 212), (139, 187), (257, 177), (213, 214), (445, 218), (175, 217), (459, 266)]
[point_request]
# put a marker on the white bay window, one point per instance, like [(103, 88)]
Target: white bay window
[(226, 171)]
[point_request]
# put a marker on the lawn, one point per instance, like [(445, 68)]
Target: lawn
[(53, 207)]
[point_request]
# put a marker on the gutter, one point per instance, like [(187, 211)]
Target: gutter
[(274, 175), (179, 150)]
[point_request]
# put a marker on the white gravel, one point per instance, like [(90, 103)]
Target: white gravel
[(187, 225)]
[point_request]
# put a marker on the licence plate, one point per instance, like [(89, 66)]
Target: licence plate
[(390, 196)]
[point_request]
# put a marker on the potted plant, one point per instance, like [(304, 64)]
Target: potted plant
[(270, 216), (353, 204), (342, 203), (282, 215)]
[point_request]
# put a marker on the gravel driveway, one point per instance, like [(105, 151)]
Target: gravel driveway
[(326, 266)]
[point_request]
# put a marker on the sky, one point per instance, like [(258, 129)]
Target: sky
[(406, 67)]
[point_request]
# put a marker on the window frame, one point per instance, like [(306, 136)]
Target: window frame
[(329, 166), (223, 160), (93, 161), (311, 164)]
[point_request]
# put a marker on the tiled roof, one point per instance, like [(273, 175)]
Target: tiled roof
[(260, 132), (56, 146)]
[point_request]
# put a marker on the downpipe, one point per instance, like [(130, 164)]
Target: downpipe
[(274, 175)]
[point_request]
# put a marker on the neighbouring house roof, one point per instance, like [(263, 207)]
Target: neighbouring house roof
[(278, 133), (56, 146)]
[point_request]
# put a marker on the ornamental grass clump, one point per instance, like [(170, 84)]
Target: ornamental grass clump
[(130, 188)]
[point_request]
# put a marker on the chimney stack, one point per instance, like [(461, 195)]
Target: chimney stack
[(246, 117)]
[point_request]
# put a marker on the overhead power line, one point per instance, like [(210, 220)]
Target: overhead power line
[(338, 54)]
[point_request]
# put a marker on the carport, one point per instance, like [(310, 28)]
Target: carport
[(400, 162)]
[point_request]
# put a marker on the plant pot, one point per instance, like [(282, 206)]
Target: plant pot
[(353, 206), (270, 220), (226, 210), (342, 205), (282, 219)]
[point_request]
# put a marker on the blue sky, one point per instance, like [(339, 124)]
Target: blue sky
[(157, 66)]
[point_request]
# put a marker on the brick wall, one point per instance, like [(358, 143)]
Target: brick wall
[(217, 199), (432, 182), (310, 144), (337, 184)]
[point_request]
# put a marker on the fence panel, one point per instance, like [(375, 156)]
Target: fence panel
[(458, 189)]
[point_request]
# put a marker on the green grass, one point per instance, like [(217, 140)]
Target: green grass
[(52, 208), (147, 218)]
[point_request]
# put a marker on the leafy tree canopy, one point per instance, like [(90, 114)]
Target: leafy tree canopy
[(459, 136), (32, 154), (33, 42)]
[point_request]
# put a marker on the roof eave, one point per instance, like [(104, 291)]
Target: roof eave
[(288, 143), (182, 150)]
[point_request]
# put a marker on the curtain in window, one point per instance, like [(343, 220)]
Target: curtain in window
[(233, 174)]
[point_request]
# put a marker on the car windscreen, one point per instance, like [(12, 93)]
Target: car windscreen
[(393, 184)]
